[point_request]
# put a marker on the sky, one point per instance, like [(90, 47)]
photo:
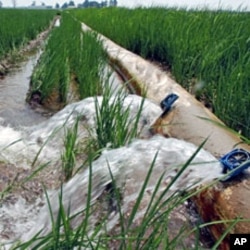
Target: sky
[(212, 4)]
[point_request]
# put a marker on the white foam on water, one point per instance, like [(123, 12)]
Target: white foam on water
[(129, 166), (11, 145), (16, 218), (24, 144), (20, 147)]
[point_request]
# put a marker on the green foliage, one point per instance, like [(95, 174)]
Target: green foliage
[(114, 125), (70, 55), (92, 63), (208, 52), (70, 150), (52, 74), (18, 26)]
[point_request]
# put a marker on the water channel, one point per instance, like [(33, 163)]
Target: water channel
[(24, 132), (13, 90)]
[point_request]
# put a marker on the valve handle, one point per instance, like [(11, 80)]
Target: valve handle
[(167, 103), (236, 161)]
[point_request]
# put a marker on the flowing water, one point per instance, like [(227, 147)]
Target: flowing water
[(13, 90), (129, 166), (29, 141)]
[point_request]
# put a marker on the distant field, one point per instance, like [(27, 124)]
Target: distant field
[(207, 52), (18, 26)]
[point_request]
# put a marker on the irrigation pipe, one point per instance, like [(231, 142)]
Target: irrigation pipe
[(189, 120)]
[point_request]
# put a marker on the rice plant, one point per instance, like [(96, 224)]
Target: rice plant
[(51, 76), (206, 51), (90, 65), (19, 26), (70, 56), (115, 127), (70, 150)]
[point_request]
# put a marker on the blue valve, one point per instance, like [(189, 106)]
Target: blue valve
[(167, 103), (236, 161)]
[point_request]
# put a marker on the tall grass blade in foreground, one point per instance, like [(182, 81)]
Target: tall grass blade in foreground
[(151, 233)]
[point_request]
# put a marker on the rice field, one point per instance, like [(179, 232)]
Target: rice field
[(207, 52), (19, 26)]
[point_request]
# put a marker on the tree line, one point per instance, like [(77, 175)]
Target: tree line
[(88, 4)]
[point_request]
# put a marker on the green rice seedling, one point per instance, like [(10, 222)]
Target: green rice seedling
[(152, 213), (91, 60), (11, 185), (17, 183), (69, 155), (50, 76), (34, 164), (62, 236), (70, 55), (113, 122)]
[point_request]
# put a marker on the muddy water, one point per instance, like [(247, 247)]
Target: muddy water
[(13, 90)]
